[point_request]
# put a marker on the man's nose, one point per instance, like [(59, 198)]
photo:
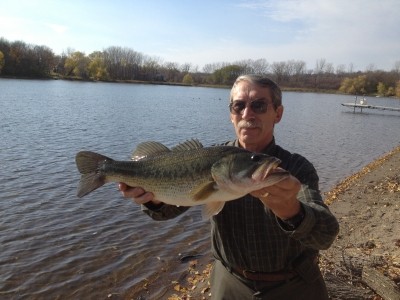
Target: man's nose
[(248, 112)]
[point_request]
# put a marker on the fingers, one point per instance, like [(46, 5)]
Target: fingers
[(138, 195), (281, 198), (283, 189)]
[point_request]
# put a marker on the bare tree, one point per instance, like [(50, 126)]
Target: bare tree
[(261, 66), (123, 63), (151, 69), (171, 71), (320, 66), (370, 68), (350, 69), (396, 68), (278, 70), (246, 65), (329, 69), (340, 69), (185, 68)]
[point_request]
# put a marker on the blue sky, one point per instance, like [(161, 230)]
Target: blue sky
[(364, 33)]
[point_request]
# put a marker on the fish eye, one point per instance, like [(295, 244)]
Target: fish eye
[(255, 157)]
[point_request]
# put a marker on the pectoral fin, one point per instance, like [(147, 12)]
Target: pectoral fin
[(212, 209), (202, 192)]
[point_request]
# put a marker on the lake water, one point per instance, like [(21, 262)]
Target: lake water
[(57, 246)]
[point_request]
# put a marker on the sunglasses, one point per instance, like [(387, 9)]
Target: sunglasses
[(258, 106)]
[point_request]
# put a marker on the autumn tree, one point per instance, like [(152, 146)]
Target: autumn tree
[(227, 75), (381, 89), (5, 50), (77, 64), (188, 79), (1, 61), (42, 61), (18, 59), (397, 92), (391, 91), (25, 60), (354, 86), (116, 63), (96, 67)]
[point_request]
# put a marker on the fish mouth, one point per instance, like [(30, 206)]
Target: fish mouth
[(265, 169)]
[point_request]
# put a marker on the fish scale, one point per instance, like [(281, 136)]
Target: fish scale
[(186, 175)]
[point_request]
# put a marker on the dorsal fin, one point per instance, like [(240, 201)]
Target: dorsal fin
[(149, 149), (188, 145)]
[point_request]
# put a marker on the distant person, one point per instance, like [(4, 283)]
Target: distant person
[(266, 243)]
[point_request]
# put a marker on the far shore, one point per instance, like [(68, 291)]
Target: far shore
[(285, 89)]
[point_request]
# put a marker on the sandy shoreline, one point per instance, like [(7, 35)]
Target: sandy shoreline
[(367, 205)]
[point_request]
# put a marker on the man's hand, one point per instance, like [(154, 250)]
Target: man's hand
[(139, 195), (281, 197)]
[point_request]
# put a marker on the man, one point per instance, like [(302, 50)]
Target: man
[(266, 244)]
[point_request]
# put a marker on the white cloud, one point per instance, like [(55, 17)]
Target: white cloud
[(59, 29), (15, 27), (341, 31)]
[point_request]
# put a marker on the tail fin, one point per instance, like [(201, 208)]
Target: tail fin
[(89, 164)]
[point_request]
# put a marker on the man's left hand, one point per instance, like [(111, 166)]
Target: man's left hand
[(281, 197)]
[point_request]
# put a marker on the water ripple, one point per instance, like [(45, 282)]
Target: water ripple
[(55, 245)]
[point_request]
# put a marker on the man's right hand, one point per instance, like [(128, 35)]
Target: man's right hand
[(138, 195)]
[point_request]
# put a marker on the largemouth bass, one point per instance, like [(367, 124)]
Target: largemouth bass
[(186, 175)]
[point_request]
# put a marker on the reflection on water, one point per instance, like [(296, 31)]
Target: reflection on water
[(55, 245)]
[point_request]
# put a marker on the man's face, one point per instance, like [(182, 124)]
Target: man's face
[(254, 130)]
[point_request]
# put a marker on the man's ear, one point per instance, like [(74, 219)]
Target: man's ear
[(279, 114)]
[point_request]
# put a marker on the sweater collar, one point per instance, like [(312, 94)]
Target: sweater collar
[(269, 149)]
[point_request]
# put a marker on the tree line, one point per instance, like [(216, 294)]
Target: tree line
[(21, 60)]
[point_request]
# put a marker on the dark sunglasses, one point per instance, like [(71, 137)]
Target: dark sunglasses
[(258, 106)]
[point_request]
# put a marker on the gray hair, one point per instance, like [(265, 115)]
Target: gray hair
[(261, 81)]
